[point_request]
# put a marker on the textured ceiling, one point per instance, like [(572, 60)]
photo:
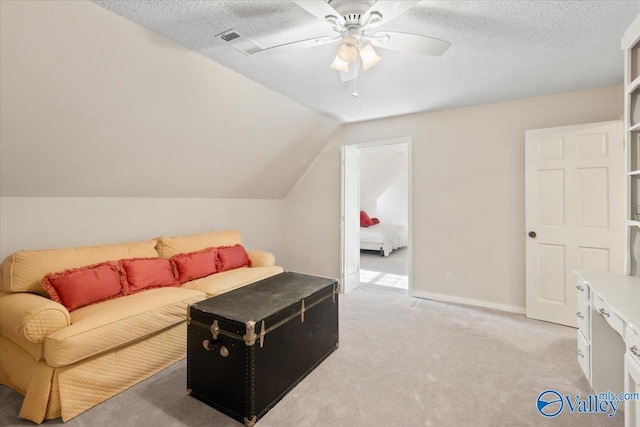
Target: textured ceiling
[(501, 50)]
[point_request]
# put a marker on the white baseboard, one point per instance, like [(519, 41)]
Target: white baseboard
[(350, 285), (468, 301)]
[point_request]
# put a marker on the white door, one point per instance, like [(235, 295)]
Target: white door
[(350, 218), (574, 213)]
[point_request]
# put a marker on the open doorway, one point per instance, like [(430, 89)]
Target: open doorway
[(384, 211), (376, 249)]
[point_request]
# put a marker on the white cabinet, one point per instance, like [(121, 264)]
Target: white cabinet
[(601, 329), (608, 336), (632, 385), (631, 46), (602, 308), (584, 316), (632, 378), (584, 355), (584, 328), (608, 304), (583, 289)]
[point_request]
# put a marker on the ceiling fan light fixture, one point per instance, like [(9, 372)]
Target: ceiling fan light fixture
[(339, 64), (348, 49), (369, 57)]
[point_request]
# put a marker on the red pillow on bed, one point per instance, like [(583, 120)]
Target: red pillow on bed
[(375, 221), (365, 221)]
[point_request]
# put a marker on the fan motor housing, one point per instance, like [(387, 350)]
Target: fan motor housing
[(351, 10)]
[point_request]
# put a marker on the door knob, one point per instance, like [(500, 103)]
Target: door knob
[(532, 234)]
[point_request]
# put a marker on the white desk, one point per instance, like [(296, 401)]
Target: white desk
[(609, 335)]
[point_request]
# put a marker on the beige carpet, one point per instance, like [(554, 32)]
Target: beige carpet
[(396, 263), (388, 272), (401, 362)]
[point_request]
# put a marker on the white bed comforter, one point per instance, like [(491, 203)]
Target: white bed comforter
[(385, 236)]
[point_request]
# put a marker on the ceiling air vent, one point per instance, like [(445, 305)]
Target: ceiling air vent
[(239, 42)]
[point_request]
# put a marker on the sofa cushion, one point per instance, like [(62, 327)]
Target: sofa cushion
[(194, 265), (148, 273), (114, 323), (233, 257), (170, 246), (82, 286), (226, 281), (23, 270)]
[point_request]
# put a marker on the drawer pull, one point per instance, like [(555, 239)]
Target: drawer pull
[(580, 315), (634, 350), (604, 312), (580, 353), (580, 288)]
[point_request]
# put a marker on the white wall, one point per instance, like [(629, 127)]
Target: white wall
[(383, 183), (393, 204), (370, 206), (54, 222), (312, 218), (92, 104), (102, 122), (468, 192)]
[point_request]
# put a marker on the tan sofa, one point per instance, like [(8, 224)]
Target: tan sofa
[(67, 362)]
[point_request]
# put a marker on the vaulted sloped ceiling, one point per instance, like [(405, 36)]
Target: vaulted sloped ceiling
[(92, 104), (501, 50), (380, 168)]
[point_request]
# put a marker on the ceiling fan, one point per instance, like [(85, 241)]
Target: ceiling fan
[(357, 22)]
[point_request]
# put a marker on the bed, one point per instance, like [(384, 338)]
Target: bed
[(383, 238)]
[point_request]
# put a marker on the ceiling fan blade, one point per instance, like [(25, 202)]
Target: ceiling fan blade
[(411, 43), (388, 9), (297, 45), (318, 8)]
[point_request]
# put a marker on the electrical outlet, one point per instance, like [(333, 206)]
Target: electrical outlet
[(449, 277)]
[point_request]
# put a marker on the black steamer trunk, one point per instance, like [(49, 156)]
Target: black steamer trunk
[(247, 348)]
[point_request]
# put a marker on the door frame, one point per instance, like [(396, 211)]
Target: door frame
[(368, 145)]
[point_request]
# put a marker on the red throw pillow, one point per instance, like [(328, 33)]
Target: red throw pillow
[(375, 221), (82, 286), (194, 265), (147, 273), (231, 257), (365, 221)]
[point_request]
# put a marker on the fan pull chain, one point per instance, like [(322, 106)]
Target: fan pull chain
[(355, 80)]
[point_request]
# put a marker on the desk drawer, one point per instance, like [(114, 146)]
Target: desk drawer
[(633, 344), (584, 356), (583, 318), (583, 289), (603, 308)]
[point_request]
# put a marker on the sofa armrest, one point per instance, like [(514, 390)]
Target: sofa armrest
[(24, 315), (261, 259)]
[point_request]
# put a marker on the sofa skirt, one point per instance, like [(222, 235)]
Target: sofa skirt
[(70, 390)]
